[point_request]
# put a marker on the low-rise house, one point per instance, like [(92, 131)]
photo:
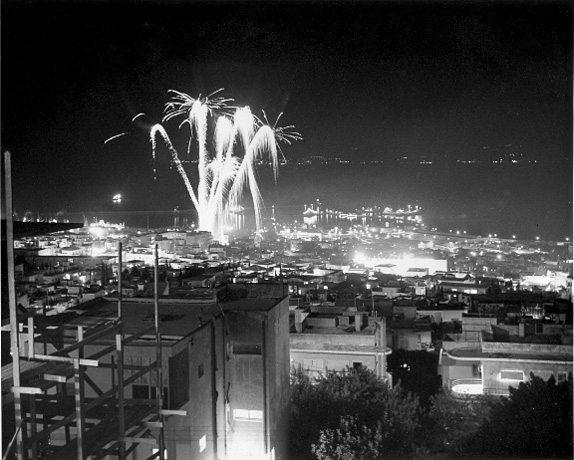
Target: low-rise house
[(344, 338), (410, 334), (500, 347), (442, 311), (498, 363)]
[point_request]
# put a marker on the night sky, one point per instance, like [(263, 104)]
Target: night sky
[(359, 80)]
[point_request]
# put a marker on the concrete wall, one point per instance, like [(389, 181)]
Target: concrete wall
[(409, 311), (526, 348), (185, 437), (316, 364), (313, 339), (259, 382), (322, 321), (278, 371), (245, 379), (493, 383), (410, 339), (441, 316), (462, 370), (472, 327), (317, 353)]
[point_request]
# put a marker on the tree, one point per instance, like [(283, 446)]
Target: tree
[(355, 406), (416, 372), (350, 441), (450, 421), (535, 421)]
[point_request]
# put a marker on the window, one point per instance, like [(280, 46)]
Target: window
[(248, 415), (512, 375), (247, 349), (140, 392)]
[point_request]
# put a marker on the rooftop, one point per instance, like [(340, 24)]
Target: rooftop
[(474, 354), (350, 349), (339, 330), (176, 318)]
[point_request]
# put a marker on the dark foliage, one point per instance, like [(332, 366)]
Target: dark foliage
[(535, 421), (342, 411), (416, 372), (450, 421)]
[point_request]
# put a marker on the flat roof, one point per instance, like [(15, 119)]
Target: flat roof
[(176, 318), (474, 354), (27, 229), (337, 330), (341, 349)]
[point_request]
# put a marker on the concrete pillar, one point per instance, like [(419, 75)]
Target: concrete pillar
[(298, 320), (358, 322)]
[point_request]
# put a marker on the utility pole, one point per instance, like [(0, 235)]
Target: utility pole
[(14, 348), (159, 383)]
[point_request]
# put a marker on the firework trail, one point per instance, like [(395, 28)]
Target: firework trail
[(240, 140)]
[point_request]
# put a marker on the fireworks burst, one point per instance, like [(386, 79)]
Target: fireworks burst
[(240, 139)]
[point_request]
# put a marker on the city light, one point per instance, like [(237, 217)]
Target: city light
[(96, 231)]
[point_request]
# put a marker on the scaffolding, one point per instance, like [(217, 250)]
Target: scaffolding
[(49, 390)]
